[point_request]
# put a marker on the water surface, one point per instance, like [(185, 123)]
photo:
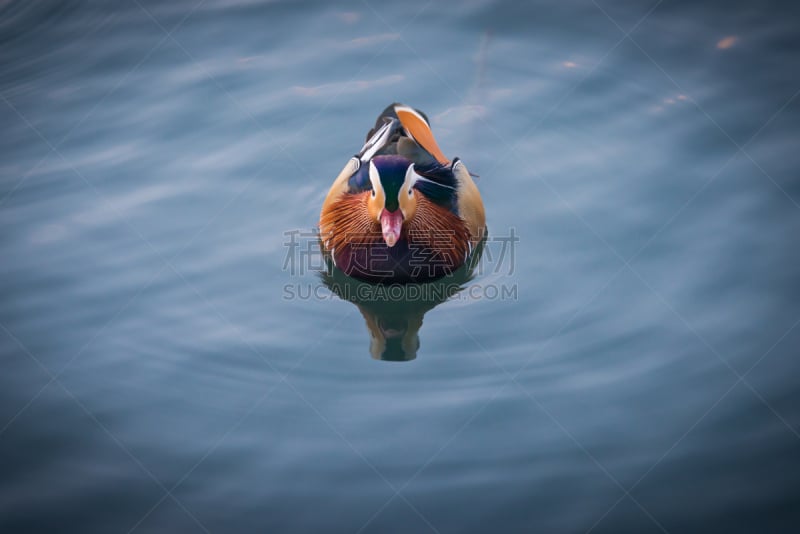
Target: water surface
[(161, 372)]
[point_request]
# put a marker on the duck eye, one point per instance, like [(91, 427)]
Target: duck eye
[(373, 193), (410, 191)]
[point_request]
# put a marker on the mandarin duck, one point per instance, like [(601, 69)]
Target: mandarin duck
[(400, 211)]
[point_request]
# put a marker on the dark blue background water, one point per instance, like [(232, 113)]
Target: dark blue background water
[(155, 378)]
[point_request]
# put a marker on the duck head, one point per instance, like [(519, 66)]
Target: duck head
[(393, 197)]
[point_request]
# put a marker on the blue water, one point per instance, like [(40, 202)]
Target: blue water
[(631, 367)]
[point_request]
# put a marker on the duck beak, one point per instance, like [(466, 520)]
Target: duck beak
[(391, 225)]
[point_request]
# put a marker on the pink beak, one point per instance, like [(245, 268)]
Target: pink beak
[(391, 225)]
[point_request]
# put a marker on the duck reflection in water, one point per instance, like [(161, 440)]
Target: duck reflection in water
[(394, 313)]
